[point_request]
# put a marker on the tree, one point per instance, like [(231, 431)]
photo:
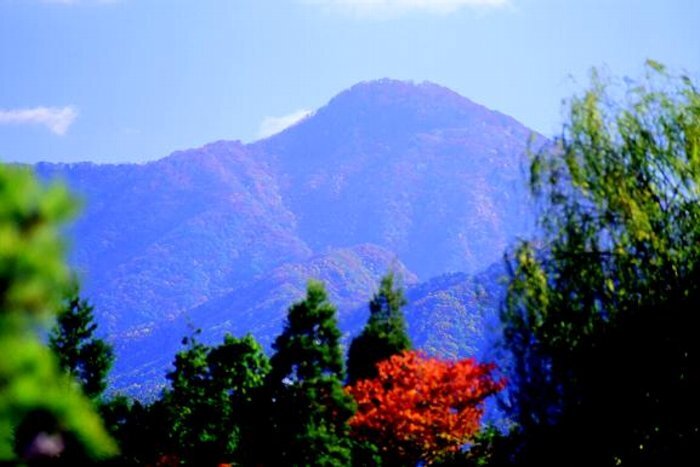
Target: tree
[(85, 357), (37, 402), (211, 396), (421, 409), (237, 368), (138, 428), (188, 404), (600, 311), (306, 406), (384, 334)]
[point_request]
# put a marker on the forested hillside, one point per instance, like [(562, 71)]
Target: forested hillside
[(389, 174)]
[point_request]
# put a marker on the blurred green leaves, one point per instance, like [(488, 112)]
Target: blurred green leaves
[(33, 274), (34, 279)]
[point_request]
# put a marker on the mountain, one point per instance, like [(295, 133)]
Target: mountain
[(407, 166), (451, 315), (388, 174)]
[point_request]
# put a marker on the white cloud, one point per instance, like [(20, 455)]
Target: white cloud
[(389, 7), (273, 125), (56, 119)]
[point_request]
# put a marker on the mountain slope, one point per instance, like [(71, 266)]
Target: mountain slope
[(159, 238), (259, 307), (417, 169), (225, 235)]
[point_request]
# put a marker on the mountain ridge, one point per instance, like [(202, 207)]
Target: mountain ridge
[(420, 176)]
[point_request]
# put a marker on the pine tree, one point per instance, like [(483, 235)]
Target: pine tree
[(85, 357), (308, 409), (384, 334)]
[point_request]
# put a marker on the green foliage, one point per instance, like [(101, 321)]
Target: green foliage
[(85, 357), (138, 429), (237, 369), (599, 315), (188, 401), (384, 334), (306, 405), (489, 447), (210, 401), (34, 395), (33, 274)]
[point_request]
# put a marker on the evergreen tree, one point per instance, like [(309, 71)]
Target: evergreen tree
[(85, 357), (384, 334), (307, 407)]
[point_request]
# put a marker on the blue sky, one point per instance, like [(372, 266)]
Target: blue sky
[(133, 80)]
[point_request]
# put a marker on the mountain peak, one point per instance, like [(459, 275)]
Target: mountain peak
[(409, 95), (386, 109), (396, 86)]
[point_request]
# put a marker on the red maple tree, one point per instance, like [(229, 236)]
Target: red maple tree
[(420, 408)]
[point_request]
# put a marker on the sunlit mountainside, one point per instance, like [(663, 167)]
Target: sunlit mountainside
[(389, 174)]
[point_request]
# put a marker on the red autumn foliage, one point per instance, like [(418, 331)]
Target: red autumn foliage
[(421, 408)]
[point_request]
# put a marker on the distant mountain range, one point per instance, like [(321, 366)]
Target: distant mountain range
[(388, 174)]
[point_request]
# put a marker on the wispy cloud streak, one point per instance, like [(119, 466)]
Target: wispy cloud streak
[(274, 125), (57, 119)]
